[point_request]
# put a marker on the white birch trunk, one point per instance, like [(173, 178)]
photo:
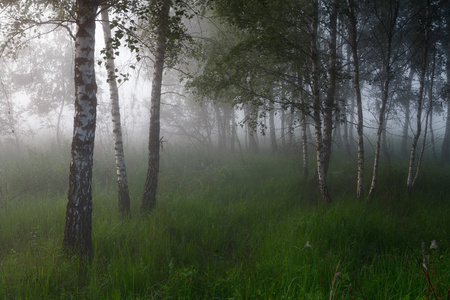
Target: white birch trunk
[(77, 232), (411, 177), (273, 138), (331, 89), (356, 86), (122, 182), (304, 125), (321, 171), (384, 98), (407, 114), (445, 150)]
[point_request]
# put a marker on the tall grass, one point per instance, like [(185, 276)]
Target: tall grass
[(225, 226)]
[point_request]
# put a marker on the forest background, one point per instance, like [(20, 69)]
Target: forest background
[(312, 107)]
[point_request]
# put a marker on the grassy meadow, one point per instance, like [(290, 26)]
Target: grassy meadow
[(226, 226)]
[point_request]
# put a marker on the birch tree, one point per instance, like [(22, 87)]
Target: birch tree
[(122, 182), (389, 27), (406, 106), (445, 150), (412, 159), (304, 125), (320, 157), (357, 89), (151, 183), (273, 138), (78, 227), (331, 89)]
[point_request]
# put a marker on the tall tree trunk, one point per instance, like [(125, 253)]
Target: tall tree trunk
[(445, 152), (226, 124), (428, 119), (433, 144), (283, 130), (356, 86), (347, 97), (220, 131), (303, 123), (151, 183), (412, 159), (291, 138), (78, 227), (232, 125), (320, 157), (406, 106), (273, 137), (122, 182), (337, 133), (384, 98), (345, 129), (331, 90), (384, 140), (58, 123)]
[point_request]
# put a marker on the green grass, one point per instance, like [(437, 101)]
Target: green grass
[(225, 227)]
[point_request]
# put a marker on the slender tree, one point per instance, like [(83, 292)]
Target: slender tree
[(406, 107), (429, 114), (357, 89), (317, 110), (445, 150), (412, 159), (331, 89), (273, 138), (122, 182), (389, 28), (151, 183), (304, 126)]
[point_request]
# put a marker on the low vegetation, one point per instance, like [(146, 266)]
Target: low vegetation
[(226, 226)]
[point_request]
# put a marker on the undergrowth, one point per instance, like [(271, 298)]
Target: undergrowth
[(225, 226)]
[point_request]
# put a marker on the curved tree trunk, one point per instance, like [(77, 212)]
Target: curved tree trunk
[(151, 183), (122, 183), (384, 98), (411, 177), (77, 232)]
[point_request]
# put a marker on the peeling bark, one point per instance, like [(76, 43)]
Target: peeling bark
[(77, 232)]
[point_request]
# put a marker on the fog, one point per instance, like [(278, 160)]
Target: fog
[(38, 95)]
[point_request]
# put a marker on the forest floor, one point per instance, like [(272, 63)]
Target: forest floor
[(227, 226)]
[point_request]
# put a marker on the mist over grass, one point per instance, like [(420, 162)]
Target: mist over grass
[(225, 226)]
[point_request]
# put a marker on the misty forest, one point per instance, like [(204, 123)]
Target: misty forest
[(225, 149)]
